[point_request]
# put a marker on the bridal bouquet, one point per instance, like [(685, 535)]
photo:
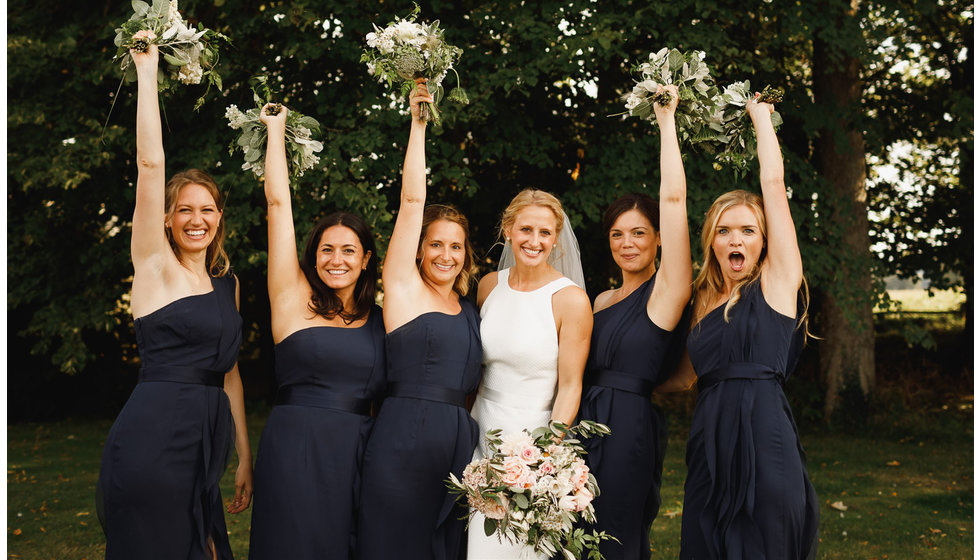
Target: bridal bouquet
[(190, 54), (737, 135), (406, 52), (695, 88), (534, 487), (301, 149)]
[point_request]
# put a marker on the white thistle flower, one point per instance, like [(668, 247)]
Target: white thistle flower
[(191, 73), (173, 15)]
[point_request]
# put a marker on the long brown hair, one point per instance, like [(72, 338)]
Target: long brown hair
[(324, 300), (217, 260), (434, 213), (710, 278)]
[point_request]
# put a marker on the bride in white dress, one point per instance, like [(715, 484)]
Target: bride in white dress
[(535, 325)]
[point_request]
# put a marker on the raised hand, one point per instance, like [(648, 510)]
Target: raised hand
[(758, 109), (274, 121), (147, 61), (419, 95), (666, 111)]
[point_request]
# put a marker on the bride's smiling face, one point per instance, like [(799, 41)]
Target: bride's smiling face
[(533, 235)]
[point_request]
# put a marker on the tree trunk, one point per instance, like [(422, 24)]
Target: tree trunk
[(847, 352)]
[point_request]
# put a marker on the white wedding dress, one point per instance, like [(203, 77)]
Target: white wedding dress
[(520, 375)]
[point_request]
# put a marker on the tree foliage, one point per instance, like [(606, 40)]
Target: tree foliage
[(542, 76)]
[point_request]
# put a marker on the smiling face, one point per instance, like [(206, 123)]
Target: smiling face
[(533, 235), (443, 252), (738, 242), (340, 258), (633, 242), (195, 219)]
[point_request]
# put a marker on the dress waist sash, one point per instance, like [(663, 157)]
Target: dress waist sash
[(182, 374), (321, 397), (528, 402), (738, 370), (623, 381), (425, 392)]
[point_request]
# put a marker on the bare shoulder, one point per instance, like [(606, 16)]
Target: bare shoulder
[(572, 298), (603, 300), (487, 284)]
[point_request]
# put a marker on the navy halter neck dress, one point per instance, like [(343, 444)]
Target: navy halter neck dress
[(165, 454), (307, 469), (627, 360), (422, 433), (747, 494)]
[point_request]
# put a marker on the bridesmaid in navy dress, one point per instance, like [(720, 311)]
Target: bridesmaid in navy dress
[(158, 495), (634, 333), (747, 493), (330, 364), (423, 431)]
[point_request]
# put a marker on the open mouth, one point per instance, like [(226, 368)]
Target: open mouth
[(334, 272), (737, 261), (196, 233), (443, 267), (531, 252)]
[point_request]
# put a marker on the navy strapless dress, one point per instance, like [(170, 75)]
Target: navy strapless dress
[(422, 433), (626, 361), (747, 494), (307, 470), (165, 454)]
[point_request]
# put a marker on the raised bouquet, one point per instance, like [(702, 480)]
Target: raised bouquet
[(696, 91), (301, 148), (191, 55), (534, 488), (737, 137), (406, 52)]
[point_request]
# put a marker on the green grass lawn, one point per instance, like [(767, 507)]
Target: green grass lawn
[(905, 498)]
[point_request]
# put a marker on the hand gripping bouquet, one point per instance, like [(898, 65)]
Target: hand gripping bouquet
[(407, 52), (737, 137), (535, 488), (695, 88), (190, 54), (301, 148)]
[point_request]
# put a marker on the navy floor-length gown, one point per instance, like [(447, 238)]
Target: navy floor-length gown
[(747, 495), (626, 361), (158, 495), (307, 469), (422, 433)]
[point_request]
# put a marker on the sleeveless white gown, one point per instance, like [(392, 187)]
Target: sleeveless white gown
[(520, 376)]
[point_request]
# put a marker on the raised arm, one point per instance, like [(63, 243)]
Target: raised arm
[(149, 242), (287, 284), (574, 334), (783, 273), (399, 274), (672, 290)]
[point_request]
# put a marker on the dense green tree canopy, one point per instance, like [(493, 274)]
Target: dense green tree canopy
[(543, 78)]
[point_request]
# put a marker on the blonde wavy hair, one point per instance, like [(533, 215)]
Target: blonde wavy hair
[(434, 213), (531, 197), (710, 278), (217, 260)]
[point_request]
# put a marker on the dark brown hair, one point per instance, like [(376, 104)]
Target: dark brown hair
[(324, 300), (646, 205)]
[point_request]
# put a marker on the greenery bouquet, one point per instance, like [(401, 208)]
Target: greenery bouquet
[(406, 52), (737, 137), (534, 488), (191, 55), (695, 88), (301, 148)]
